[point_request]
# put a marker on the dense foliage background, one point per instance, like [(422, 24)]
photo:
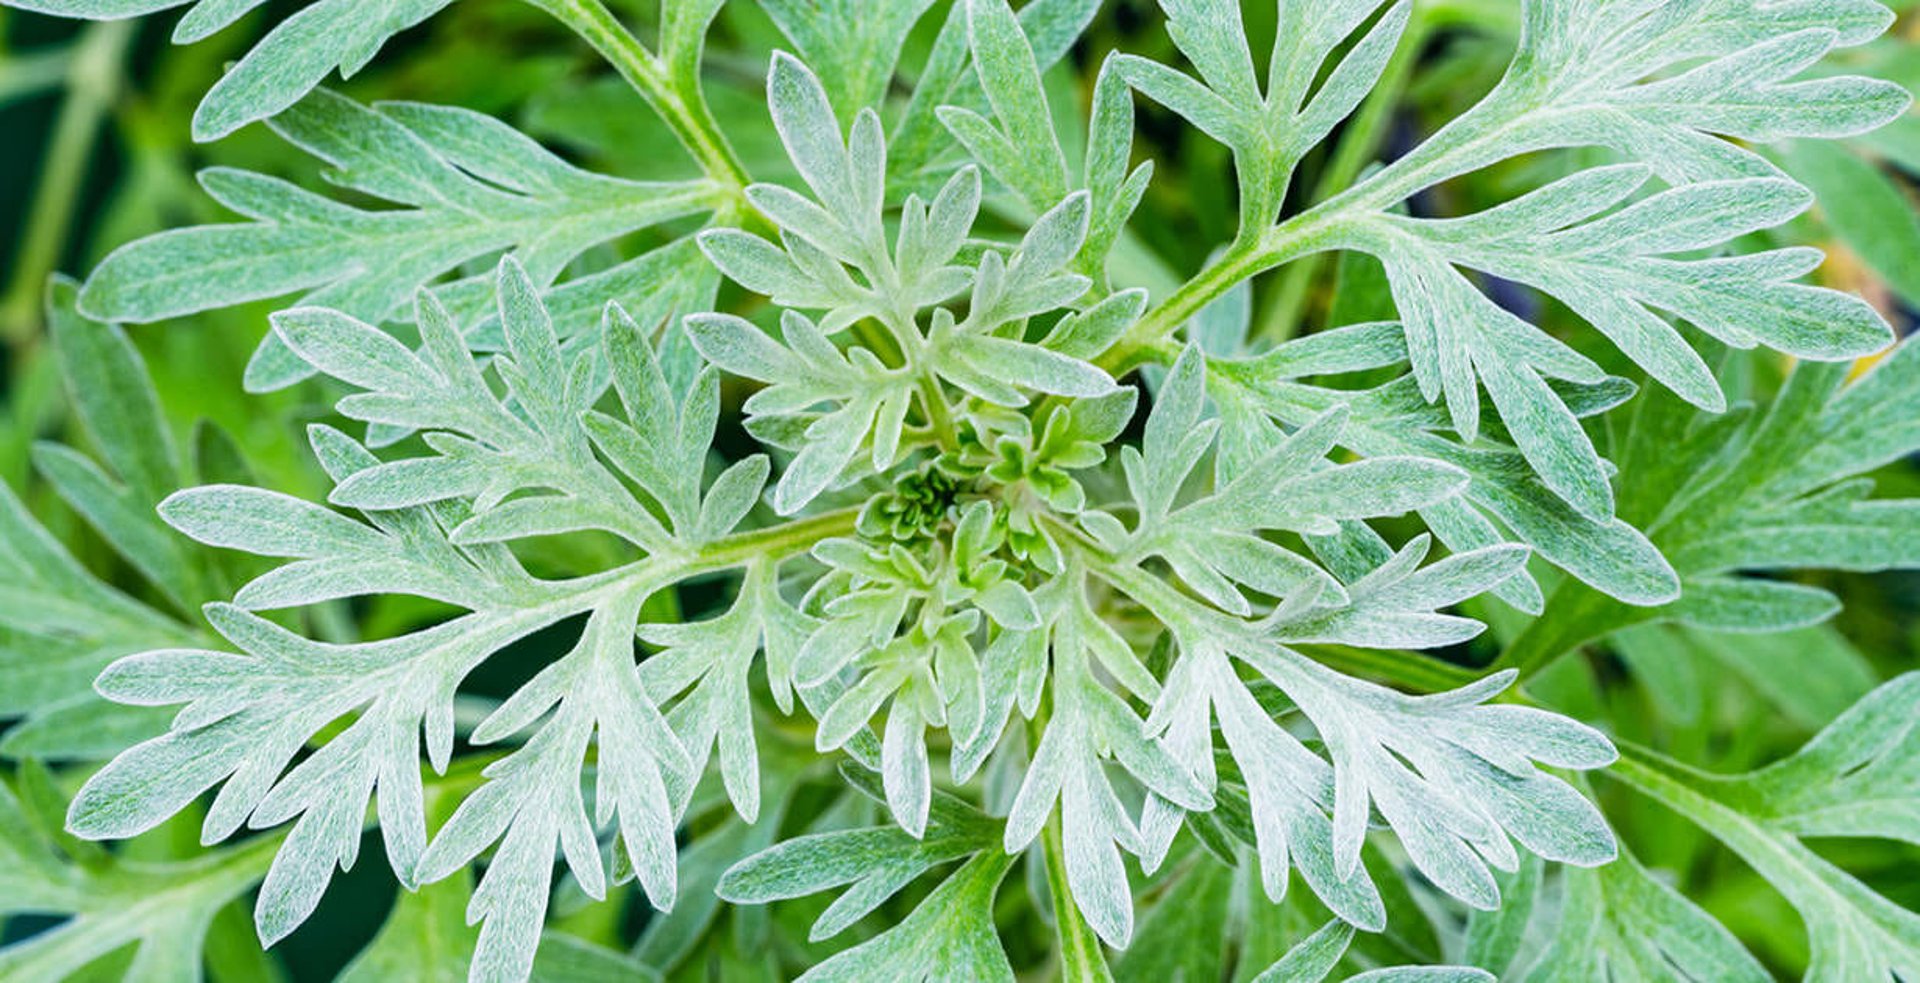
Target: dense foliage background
[(95, 152)]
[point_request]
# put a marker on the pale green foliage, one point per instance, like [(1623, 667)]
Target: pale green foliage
[(475, 185), (967, 552), (295, 56), (162, 909), (1624, 920), (1269, 130), (248, 715), (1855, 779), (59, 623), (1317, 955)]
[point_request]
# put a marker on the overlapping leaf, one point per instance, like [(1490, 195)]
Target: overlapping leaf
[(472, 186), (1762, 493), (248, 716), (60, 623), (1621, 922), (162, 910), (895, 362), (1857, 778), (1504, 500), (1024, 152), (300, 52)]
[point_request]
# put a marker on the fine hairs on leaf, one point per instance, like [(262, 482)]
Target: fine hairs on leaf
[(876, 519)]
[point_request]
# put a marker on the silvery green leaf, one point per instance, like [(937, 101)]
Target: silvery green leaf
[(950, 932), (540, 436), (294, 57), (1088, 333), (1611, 556), (1023, 153), (854, 43), (1757, 492), (1856, 778), (1051, 27), (1395, 605), (1664, 88), (93, 892), (532, 802), (335, 556), (1212, 542), (1579, 239), (1609, 270), (474, 187), (246, 718), (875, 863), (1623, 915), (812, 135), (1289, 789), (1476, 785), (671, 434), (298, 54), (806, 371), (1024, 365), (1860, 773), (1067, 769), (60, 624), (1316, 956), (1268, 132), (1312, 958), (1795, 469), (1023, 150), (764, 268), (700, 675), (108, 383), (1424, 974)]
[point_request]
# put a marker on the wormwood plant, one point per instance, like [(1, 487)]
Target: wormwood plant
[(1016, 564)]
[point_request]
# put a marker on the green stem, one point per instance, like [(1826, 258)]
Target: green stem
[(23, 75), (782, 540), (1321, 228), (1081, 958), (1575, 614), (679, 100), (660, 569), (1359, 145), (1313, 231), (1666, 781), (1414, 671), (939, 414), (1783, 862), (93, 82)]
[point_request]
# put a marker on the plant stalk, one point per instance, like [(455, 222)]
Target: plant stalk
[(1081, 958), (681, 103), (93, 80), (1358, 147)]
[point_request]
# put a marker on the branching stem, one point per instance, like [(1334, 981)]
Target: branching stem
[(1314, 231), (680, 101), (1359, 145)]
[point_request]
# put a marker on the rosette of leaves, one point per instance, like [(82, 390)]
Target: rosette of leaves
[(1010, 600)]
